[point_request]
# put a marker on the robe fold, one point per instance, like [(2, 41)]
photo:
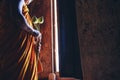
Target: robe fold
[(17, 54)]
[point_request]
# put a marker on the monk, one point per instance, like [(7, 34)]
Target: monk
[(17, 42)]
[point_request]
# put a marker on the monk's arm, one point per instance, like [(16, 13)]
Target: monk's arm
[(23, 22)]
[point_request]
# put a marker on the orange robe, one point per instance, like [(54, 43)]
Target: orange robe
[(17, 54)]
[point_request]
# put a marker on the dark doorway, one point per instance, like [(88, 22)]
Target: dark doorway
[(70, 64)]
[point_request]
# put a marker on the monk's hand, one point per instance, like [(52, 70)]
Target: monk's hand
[(38, 37), (38, 43), (36, 33)]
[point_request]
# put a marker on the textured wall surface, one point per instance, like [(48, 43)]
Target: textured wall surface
[(99, 37), (42, 8)]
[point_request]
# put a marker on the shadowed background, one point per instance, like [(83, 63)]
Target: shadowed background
[(99, 38)]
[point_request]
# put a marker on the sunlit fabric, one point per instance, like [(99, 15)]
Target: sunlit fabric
[(17, 56)]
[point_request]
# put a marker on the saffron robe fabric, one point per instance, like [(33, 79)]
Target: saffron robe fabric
[(17, 54)]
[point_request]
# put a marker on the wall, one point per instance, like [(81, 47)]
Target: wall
[(99, 38), (42, 8)]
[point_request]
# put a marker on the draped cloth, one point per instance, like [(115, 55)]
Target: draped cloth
[(17, 54)]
